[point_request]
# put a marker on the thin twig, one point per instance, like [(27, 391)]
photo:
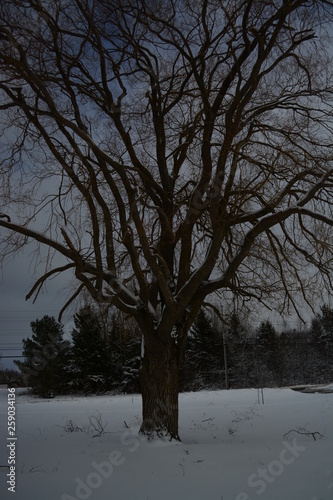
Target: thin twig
[(305, 433)]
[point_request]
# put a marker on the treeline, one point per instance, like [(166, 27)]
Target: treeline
[(239, 356), (104, 355)]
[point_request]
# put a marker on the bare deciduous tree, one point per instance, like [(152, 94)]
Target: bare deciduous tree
[(167, 150)]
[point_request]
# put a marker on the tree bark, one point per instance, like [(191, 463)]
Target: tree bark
[(159, 387)]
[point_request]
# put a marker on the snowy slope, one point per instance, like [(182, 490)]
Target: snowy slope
[(232, 448)]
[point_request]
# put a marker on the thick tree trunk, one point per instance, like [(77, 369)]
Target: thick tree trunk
[(159, 387)]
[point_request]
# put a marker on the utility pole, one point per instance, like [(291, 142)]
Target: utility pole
[(225, 362)]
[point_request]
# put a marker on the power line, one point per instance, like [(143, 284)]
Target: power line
[(10, 343), (14, 311), (1, 357), (10, 349)]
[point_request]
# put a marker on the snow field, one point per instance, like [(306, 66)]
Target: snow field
[(233, 448)]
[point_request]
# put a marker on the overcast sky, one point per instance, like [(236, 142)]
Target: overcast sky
[(16, 313)]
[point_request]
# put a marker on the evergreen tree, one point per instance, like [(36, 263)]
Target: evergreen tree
[(326, 321), (241, 353), (46, 357), (266, 336), (204, 354), (116, 351), (316, 329), (125, 349), (267, 354), (236, 329), (90, 360)]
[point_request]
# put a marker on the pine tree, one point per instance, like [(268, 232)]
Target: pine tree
[(46, 357), (266, 335), (236, 329), (204, 354), (326, 321), (90, 363), (241, 353), (125, 349), (267, 354)]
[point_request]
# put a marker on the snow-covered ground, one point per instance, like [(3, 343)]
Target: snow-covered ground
[(233, 448)]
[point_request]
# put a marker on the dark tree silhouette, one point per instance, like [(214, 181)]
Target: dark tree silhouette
[(89, 351), (46, 357)]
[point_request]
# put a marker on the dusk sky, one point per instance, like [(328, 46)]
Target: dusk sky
[(16, 313)]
